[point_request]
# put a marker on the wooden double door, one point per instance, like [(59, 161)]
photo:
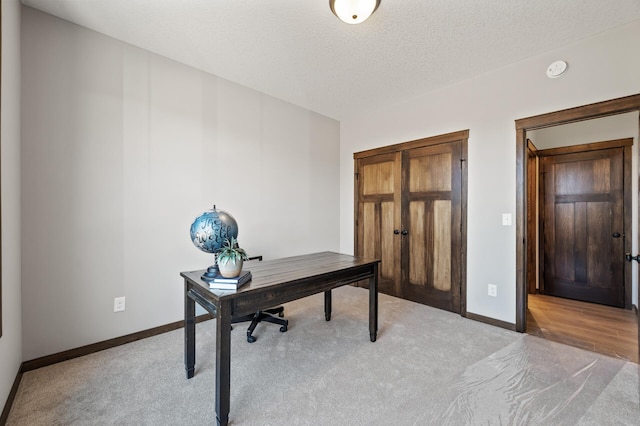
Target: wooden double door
[(409, 212)]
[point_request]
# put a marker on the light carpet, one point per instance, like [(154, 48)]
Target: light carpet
[(428, 367)]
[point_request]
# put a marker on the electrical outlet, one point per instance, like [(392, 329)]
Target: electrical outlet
[(493, 290), (118, 304), (506, 219)]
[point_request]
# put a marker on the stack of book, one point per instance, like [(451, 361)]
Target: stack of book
[(222, 283)]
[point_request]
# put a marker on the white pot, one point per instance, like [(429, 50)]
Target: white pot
[(230, 269)]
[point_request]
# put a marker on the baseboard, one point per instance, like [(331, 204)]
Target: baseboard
[(12, 395), (86, 350), (491, 321), (107, 344)]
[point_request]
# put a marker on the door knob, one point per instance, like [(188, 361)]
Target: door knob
[(616, 235), (395, 231), (405, 232), (630, 258)]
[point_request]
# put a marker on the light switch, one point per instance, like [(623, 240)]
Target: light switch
[(506, 219)]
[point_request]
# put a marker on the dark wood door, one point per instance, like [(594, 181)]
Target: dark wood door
[(378, 192), (584, 226), (431, 234)]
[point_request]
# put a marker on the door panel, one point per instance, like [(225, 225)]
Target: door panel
[(563, 260), (432, 217), (387, 249), (442, 245), (371, 232), (583, 208), (378, 178), (378, 215), (377, 238), (419, 258), (430, 172)]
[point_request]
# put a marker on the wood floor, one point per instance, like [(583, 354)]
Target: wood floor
[(603, 329)]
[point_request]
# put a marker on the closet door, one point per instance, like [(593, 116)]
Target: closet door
[(410, 212), (431, 234), (378, 202)]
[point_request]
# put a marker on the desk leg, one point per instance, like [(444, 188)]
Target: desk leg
[(327, 305), (373, 305), (189, 333), (223, 362)]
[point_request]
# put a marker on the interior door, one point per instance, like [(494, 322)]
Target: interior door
[(584, 226), (378, 188), (431, 234)]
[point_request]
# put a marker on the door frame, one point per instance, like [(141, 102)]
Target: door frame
[(532, 249), (586, 112)]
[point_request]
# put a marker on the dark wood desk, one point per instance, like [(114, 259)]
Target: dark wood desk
[(274, 282)]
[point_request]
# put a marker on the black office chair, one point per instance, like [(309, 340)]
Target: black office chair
[(272, 315)]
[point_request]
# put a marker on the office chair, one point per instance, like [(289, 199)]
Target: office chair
[(272, 315)]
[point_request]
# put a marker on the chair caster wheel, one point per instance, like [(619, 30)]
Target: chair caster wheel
[(283, 328), (251, 339)]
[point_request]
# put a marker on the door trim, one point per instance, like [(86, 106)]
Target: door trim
[(571, 115), (532, 217), (418, 143)]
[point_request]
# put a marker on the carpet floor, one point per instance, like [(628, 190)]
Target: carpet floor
[(428, 367)]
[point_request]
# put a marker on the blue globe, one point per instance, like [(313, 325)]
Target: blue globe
[(211, 228)]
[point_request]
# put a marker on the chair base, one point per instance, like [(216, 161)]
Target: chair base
[(273, 315)]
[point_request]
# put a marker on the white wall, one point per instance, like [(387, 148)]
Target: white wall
[(122, 149), (620, 126), (11, 340), (603, 67)]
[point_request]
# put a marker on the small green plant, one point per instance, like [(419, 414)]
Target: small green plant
[(230, 252)]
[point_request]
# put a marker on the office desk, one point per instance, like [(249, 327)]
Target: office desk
[(274, 282)]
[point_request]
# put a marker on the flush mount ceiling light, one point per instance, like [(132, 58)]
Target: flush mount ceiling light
[(353, 11)]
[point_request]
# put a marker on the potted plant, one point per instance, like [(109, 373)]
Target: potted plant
[(230, 258)]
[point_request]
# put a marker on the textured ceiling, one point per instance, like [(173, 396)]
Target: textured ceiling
[(298, 51)]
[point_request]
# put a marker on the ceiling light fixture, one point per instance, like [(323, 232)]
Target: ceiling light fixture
[(353, 11)]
